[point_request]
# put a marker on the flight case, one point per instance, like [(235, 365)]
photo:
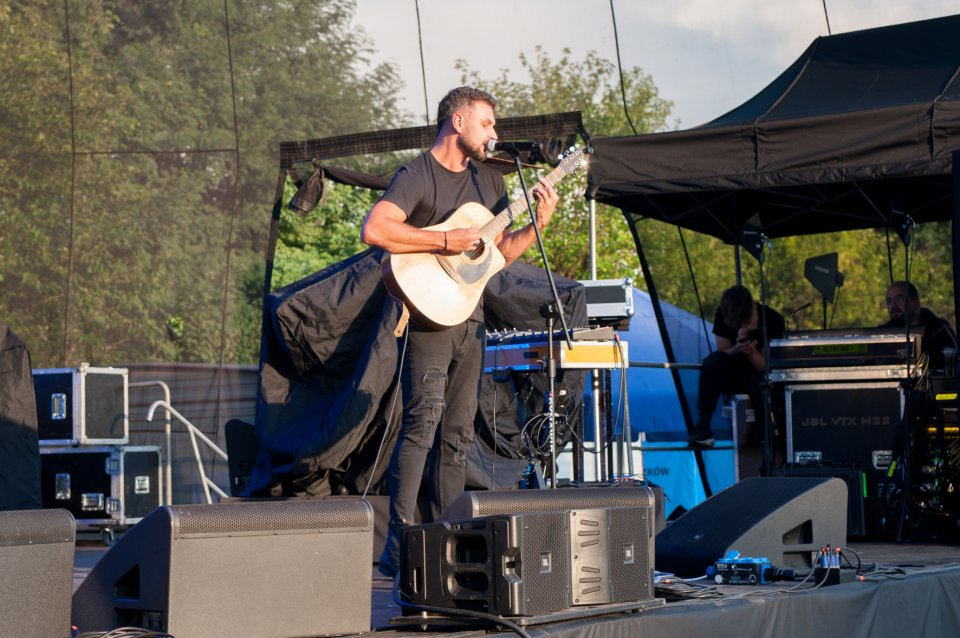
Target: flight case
[(104, 487), (82, 406)]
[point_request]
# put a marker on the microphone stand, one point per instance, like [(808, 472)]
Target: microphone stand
[(768, 453), (756, 249), (906, 424), (549, 311)]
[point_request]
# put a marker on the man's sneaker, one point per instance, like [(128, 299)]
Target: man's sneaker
[(700, 442)]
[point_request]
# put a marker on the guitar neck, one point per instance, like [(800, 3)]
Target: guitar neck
[(508, 215)]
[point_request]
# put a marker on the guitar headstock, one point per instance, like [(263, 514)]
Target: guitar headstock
[(573, 159)]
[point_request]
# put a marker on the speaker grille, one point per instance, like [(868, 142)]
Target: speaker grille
[(264, 517), (631, 527), (475, 504), (36, 527), (545, 533)]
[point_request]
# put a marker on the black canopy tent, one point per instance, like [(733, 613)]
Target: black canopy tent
[(860, 128), (860, 125), (861, 131)]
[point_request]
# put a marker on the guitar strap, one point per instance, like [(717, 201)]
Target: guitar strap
[(402, 322)]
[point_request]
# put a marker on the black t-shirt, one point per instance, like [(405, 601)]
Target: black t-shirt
[(776, 326), (429, 193), (937, 335)]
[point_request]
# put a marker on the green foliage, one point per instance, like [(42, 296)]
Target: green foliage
[(868, 260), (591, 86), (863, 261), (325, 236), (140, 161), (140, 165)]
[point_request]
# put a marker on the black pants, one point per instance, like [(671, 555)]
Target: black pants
[(440, 377), (725, 374)]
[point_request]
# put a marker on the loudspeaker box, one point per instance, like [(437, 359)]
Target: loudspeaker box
[(473, 504), (266, 569), (531, 563), (36, 572), (786, 520)]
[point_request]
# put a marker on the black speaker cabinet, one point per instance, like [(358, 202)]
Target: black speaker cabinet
[(532, 563), (786, 520), (479, 503), (862, 513), (258, 569), (36, 573)]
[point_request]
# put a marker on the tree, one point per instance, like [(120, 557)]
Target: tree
[(328, 234), (139, 203), (591, 86)]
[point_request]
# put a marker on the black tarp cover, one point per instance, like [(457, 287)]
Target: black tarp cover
[(19, 447), (862, 124), (327, 377)]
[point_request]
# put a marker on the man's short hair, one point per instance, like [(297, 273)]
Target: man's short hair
[(736, 305), (460, 97), (912, 291)]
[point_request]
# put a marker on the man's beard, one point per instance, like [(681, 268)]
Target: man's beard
[(477, 153)]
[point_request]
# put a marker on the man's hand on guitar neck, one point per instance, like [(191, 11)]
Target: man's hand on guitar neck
[(547, 199), (514, 244)]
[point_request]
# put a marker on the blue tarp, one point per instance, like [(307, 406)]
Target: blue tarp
[(654, 407)]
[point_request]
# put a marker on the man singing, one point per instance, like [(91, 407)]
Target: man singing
[(441, 370)]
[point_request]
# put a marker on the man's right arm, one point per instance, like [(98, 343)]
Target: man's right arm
[(386, 227)]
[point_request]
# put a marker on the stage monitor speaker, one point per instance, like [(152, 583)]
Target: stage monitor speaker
[(267, 569), (786, 520), (36, 572), (474, 504), (862, 520), (529, 564)]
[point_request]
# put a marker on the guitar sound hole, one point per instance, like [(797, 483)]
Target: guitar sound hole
[(477, 252)]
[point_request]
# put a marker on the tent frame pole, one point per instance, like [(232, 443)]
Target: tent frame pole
[(671, 358), (956, 235)]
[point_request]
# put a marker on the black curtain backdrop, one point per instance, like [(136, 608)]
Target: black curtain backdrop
[(328, 372)]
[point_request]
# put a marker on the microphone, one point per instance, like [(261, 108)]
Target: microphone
[(493, 146)]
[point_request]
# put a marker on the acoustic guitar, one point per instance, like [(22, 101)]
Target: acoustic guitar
[(441, 290)]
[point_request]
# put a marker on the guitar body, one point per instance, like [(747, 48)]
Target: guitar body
[(442, 290)]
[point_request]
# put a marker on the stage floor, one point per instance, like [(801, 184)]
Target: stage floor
[(916, 592)]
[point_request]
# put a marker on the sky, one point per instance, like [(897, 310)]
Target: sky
[(706, 56)]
